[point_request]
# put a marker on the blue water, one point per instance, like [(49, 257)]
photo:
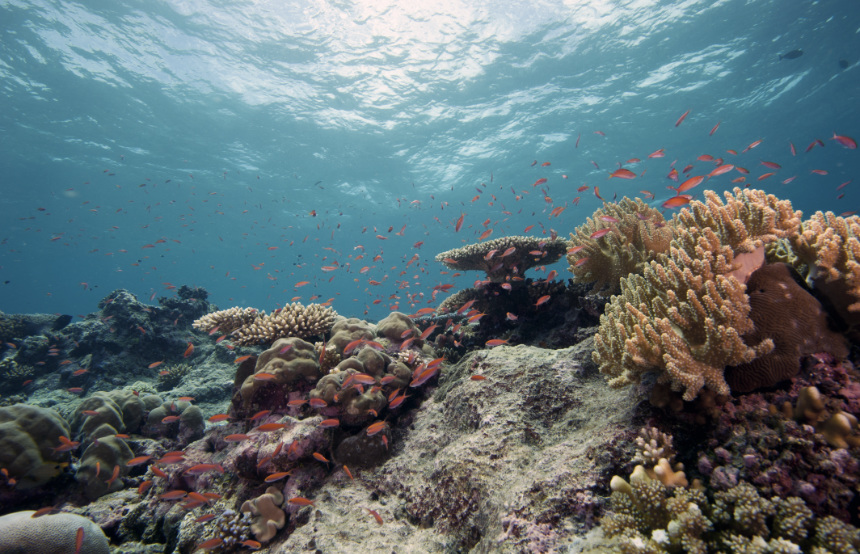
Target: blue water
[(220, 127)]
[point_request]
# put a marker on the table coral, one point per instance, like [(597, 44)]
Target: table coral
[(496, 258), (685, 316), (638, 233)]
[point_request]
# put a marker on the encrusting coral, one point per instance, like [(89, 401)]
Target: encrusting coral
[(637, 234), (248, 326), (793, 319), (685, 316), (504, 258)]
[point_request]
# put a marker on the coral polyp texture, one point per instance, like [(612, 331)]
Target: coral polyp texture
[(635, 234), (827, 250), (684, 317), (248, 326), (504, 258)]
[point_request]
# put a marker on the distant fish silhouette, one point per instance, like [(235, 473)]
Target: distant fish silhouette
[(843, 64), (793, 55)]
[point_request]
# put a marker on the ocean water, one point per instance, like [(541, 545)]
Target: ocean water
[(247, 146)]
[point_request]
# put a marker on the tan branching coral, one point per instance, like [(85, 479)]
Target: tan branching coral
[(827, 250), (506, 257), (293, 320), (638, 233), (684, 316), (228, 320)]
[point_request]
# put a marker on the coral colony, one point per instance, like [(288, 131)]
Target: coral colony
[(502, 420)]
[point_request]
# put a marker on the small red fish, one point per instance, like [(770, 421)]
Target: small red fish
[(236, 437), (847, 142), (155, 364), (329, 423), (376, 428), (210, 544), (276, 476), (682, 118), (690, 183), (477, 378), (600, 233), (188, 351), (79, 540), (219, 417), (241, 359), (542, 300), (300, 501), (320, 457), (677, 201), (622, 174), (375, 515), (138, 460), (270, 427), (496, 342)]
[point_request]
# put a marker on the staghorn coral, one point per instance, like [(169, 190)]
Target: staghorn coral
[(500, 265), (685, 316), (228, 320), (639, 234), (293, 320)]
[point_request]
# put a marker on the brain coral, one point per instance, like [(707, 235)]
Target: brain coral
[(289, 361), (20, 533), (28, 437), (786, 313), (506, 257), (638, 233), (685, 316)]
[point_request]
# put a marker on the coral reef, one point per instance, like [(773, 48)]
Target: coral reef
[(267, 517), (685, 316), (793, 319), (21, 533), (826, 251), (30, 447), (637, 234), (227, 321), (504, 258)]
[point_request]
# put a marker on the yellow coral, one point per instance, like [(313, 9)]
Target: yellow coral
[(638, 234), (685, 315)]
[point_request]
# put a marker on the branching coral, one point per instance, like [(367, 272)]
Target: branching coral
[(650, 517), (227, 320), (638, 233), (684, 317), (506, 257), (827, 253), (248, 326)]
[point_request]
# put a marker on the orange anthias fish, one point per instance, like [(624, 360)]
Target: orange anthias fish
[(622, 174), (677, 201), (690, 183)]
